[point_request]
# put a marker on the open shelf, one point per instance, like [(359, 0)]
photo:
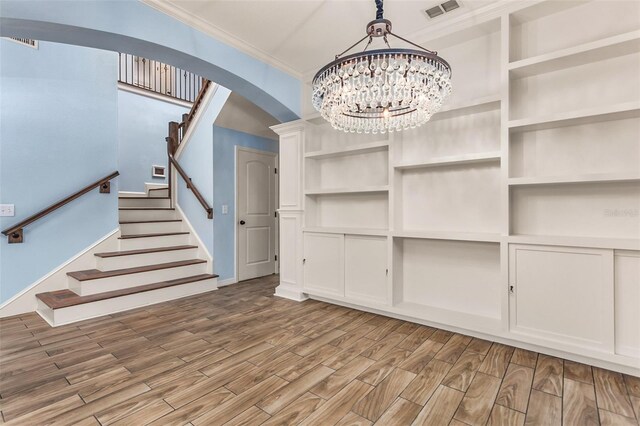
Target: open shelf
[(571, 118), (449, 235), (474, 103), (569, 241), (607, 48), (482, 157), (447, 316), (347, 190), (351, 150), (347, 231), (584, 178)]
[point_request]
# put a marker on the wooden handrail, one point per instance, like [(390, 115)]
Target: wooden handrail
[(15, 233), (191, 186), (203, 89)]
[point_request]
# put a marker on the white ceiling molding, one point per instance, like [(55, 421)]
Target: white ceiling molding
[(462, 19), (175, 11)]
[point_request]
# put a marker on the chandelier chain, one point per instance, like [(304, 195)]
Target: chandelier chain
[(379, 11)]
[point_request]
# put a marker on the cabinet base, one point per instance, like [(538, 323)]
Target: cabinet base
[(290, 292)]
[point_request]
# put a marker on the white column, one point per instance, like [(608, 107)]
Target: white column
[(291, 209)]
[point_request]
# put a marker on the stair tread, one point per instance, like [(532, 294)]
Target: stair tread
[(143, 251), (65, 298), (162, 234), (158, 189), (94, 274), (129, 222), (146, 208)]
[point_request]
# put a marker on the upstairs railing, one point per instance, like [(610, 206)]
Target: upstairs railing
[(15, 233), (177, 131), (158, 77)]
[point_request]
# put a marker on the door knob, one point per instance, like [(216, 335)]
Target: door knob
[(242, 222)]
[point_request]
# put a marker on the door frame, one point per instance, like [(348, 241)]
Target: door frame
[(276, 234)]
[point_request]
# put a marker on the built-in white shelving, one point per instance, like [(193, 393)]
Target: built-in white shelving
[(351, 150), (468, 221), (599, 50), (573, 241), (347, 231), (584, 178), (481, 157), (361, 190), (474, 103), (572, 118), (452, 236)]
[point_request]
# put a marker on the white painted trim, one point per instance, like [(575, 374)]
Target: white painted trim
[(627, 368), (208, 97), (131, 194), (236, 266), (291, 292), (35, 284), (193, 232), (153, 95), (175, 11), (228, 281)]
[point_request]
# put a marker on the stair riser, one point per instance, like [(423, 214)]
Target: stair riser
[(160, 193), (153, 242), (122, 262), (144, 202), (86, 288), (136, 215), (150, 228), (105, 307)]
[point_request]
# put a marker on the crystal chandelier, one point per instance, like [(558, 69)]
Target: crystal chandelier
[(381, 90)]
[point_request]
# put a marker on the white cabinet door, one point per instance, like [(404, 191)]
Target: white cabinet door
[(366, 268), (562, 295), (324, 264)]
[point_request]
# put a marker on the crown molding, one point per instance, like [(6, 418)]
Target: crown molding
[(176, 12)]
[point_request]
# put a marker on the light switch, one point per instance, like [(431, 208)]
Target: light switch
[(7, 210), (225, 209)]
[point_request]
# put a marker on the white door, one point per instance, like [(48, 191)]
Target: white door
[(256, 209)]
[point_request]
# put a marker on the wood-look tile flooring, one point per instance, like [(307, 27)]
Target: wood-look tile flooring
[(239, 356)]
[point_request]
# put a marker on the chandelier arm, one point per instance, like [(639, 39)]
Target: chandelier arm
[(354, 45), (368, 44), (413, 44)]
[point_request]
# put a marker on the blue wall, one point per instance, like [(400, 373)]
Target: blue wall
[(224, 175), (58, 133), (129, 26), (142, 127), (197, 161)]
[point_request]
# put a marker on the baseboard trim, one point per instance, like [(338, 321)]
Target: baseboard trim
[(227, 282), (584, 359), (51, 273), (195, 234), (290, 293)]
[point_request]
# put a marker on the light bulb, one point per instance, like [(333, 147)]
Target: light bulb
[(385, 112)]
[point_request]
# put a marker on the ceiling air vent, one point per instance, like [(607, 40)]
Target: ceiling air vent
[(24, 41), (442, 8)]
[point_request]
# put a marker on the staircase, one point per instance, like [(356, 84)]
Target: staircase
[(157, 262)]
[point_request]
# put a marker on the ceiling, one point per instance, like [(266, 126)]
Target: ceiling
[(299, 36)]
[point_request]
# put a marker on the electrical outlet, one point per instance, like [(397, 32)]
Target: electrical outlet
[(7, 210), (225, 209)]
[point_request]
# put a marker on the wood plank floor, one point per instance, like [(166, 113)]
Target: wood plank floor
[(239, 356)]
